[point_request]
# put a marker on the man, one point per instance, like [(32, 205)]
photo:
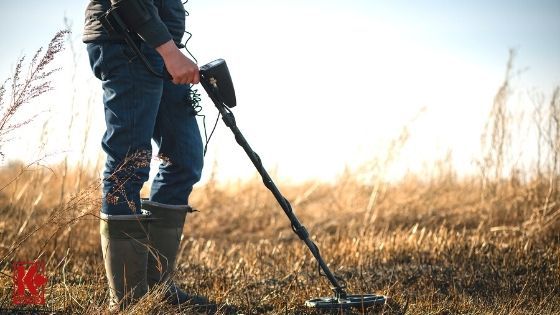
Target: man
[(140, 239)]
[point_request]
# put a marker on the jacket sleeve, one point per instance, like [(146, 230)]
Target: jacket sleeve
[(142, 18)]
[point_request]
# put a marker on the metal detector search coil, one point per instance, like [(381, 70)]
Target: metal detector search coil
[(351, 301), (216, 80)]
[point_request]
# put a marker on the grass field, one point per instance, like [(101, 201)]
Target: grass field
[(438, 246), (436, 243)]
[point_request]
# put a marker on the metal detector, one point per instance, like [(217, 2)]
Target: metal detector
[(216, 80)]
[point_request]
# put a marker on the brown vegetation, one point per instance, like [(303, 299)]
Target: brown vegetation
[(436, 244)]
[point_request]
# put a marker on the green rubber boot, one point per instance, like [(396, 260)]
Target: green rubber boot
[(124, 243), (165, 231)]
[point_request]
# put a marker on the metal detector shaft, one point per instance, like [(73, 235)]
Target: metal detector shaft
[(297, 227)]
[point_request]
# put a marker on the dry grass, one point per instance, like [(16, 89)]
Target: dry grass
[(436, 244), (433, 246)]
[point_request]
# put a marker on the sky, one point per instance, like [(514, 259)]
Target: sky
[(321, 85)]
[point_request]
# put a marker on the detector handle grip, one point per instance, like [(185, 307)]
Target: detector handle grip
[(216, 80)]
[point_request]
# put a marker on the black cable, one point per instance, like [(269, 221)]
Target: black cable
[(211, 133), (194, 95), (195, 104), (190, 35)]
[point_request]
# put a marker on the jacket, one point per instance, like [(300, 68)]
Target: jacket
[(165, 20)]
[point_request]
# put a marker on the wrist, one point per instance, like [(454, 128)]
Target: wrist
[(167, 49)]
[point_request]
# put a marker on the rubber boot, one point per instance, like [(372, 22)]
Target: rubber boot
[(165, 231), (124, 243)]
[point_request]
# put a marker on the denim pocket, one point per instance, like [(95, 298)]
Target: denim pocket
[(113, 61), (147, 52), (128, 52), (95, 58)]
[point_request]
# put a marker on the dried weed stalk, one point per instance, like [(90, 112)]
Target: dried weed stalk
[(496, 135), (27, 85)]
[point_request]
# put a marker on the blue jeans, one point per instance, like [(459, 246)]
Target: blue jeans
[(139, 107)]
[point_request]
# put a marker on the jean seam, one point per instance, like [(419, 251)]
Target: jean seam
[(103, 70)]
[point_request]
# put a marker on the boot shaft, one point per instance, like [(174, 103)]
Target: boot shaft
[(124, 244), (165, 232)]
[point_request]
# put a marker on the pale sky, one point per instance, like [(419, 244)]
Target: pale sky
[(321, 85)]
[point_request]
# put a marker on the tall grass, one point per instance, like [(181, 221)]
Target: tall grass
[(436, 243)]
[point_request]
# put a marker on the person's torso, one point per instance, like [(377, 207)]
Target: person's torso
[(171, 12)]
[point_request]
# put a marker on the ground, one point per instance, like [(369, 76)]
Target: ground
[(440, 246)]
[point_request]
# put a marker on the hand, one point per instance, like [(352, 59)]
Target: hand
[(181, 68)]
